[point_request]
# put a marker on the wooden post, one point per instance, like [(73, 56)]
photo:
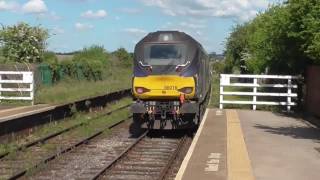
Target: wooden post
[(289, 95), (221, 97), (32, 88), (221, 90), (0, 86), (255, 82)]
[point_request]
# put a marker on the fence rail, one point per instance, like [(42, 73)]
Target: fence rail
[(17, 85), (255, 83)]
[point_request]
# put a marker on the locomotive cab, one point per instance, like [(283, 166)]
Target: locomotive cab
[(167, 85)]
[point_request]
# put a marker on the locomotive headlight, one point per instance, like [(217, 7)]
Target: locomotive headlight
[(186, 90), (141, 90)]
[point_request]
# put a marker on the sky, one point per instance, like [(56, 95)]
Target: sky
[(75, 24)]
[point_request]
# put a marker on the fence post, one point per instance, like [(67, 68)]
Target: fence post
[(32, 89), (289, 95), (221, 91), (0, 87), (255, 82)]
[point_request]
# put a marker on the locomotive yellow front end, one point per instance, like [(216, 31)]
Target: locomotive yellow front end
[(166, 87), (163, 87)]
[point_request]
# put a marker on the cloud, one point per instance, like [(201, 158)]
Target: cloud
[(135, 31), (193, 25), (130, 10), (8, 6), (83, 27), (53, 15), (49, 16), (239, 9), (100, 14), (58, 30), (35, 7)]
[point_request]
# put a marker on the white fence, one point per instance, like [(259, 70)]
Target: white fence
[(17, 85), (255, 83)]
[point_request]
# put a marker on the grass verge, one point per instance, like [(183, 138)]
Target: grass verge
[(71, 90)]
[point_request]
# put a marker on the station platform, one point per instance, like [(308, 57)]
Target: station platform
[(8, 113), (248, 145)]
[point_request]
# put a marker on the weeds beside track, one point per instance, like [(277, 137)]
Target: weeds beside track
[(27, 158)]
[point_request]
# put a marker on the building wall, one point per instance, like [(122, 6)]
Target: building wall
[(313, 90)]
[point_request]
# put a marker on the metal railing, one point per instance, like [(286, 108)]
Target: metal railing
[(17, 85), (255, 82)]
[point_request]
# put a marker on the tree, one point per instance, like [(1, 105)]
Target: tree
[(285, 39), (237, 43), (123, 56), (23, 43), (92, 61), (305, 27)]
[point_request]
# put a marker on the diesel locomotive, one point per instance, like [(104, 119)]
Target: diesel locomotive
[(171, 81)]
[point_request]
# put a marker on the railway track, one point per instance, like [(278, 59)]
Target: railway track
[(39, 152), (146, 158), (118, 156)]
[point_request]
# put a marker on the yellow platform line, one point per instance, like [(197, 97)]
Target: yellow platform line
[(239, 165)]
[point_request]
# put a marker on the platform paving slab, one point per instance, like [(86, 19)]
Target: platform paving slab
[(280, 147), (208, 160), (17, 112)]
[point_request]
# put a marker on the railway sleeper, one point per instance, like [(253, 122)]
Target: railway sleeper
[(136, 168), (152, 153), (144, 163), (153, 147), (149, 157), (126, 177)]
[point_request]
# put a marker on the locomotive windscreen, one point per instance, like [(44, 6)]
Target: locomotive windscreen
[(164, 54)]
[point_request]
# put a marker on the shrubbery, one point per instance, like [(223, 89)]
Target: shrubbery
[(123, 57), (23, 43), (283, 40), (92, 63)]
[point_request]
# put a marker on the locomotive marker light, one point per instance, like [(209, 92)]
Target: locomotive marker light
[(141, 90)]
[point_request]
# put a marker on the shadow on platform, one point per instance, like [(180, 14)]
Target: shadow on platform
[(293, 131)]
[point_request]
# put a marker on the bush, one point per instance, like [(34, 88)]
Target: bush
[(89, 64), (51, 59), (123, 57), (23, 43), (93, 53), (283, 40), (218, 67)]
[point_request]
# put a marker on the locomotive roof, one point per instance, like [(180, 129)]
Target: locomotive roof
[(169, 37)]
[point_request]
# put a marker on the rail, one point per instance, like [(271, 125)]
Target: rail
[(17, 85), (22, 171), (256, 82)]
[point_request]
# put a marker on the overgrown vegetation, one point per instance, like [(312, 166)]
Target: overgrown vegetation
[(69, 90), (92, 122), (88, 72), (283, 40), (23, 43)]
